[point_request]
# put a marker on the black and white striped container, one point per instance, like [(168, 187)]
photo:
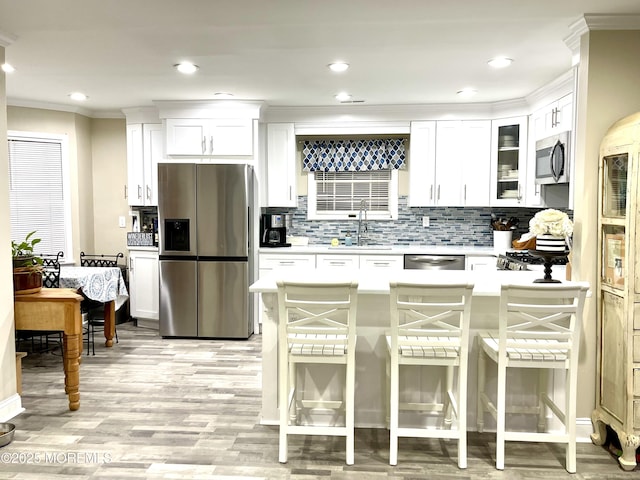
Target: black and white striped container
[(549, 243)]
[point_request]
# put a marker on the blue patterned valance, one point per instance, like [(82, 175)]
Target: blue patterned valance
[(353, 155)]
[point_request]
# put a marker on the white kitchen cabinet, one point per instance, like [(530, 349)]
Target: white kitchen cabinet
[(381, 262), (337, 261), (144, 286), (281, 165), (508, 161), (270, 262), (209, 137), (484, 262), (422, 158), (463, 156), (553, 118), (144, 151)]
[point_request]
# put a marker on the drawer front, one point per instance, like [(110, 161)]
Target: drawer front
[(636, 349), (338, 261), (276, 261), (375, 262)]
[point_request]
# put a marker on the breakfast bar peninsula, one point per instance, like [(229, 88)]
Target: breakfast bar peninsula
[(373, 320)]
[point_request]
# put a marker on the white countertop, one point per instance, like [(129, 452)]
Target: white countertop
[(487, 283), (384, 250)]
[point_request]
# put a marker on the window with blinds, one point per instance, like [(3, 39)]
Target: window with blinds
[(337, 195), (37, 191)]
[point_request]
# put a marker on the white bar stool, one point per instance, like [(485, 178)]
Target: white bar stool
[(539, 327), (317, 321), (430, 327)]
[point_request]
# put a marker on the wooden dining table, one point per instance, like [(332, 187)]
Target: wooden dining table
[(56, 309), (102, 284)]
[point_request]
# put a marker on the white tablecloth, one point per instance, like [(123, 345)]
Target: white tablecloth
[(102, 284)]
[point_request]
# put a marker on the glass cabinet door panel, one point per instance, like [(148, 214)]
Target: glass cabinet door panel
[(613, 255), (508, 161), (614, 190)]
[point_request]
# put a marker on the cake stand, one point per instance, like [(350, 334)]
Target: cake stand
[(548, 257)]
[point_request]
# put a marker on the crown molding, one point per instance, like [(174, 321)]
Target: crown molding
[(558, 88), (13, 102), (590, 22)]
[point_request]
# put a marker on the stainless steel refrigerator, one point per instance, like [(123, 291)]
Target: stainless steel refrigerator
[(204, 222)]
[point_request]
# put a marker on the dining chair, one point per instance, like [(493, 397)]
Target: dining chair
[(316, 326), (539, 328), (429, 328), (50, 279), (93, 308)]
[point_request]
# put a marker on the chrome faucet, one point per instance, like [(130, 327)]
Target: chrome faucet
[(363, 208)]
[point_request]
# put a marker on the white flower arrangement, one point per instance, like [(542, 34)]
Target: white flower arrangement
[(551, 222)]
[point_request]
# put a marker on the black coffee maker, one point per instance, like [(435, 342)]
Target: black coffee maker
[(273, 230)]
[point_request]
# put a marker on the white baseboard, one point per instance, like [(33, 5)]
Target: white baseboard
[(10, 407)]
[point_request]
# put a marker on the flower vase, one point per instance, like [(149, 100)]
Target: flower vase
[(550, 243)]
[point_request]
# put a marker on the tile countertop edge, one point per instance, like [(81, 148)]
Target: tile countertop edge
[(379, 250)]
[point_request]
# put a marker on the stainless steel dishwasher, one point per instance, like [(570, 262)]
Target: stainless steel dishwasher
[(433, 262)]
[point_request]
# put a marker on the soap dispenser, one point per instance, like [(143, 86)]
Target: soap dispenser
[(347, 239)]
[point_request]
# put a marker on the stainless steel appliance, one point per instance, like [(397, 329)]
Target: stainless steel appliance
[(522, 260), (273, 230), (434, 262), (205, 253), (552, 159)]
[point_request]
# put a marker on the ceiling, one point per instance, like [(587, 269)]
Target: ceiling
[(121, 54)]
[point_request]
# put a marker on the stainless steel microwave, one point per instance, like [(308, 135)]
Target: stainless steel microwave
[(552, 159)]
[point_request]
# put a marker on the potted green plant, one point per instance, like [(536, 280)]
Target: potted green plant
[(27, 267)]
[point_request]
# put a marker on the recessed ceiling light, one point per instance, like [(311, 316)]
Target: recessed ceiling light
[(186, 67), (78, 96), (500, 62), (223, 95), (467, 92), (6, 68), (338, 66), (343, 97)]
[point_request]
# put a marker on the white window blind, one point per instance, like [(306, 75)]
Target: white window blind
[(344, 191), (36, 192)]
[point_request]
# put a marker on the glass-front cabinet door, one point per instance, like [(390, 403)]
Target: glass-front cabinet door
[(508, 156), (614, 211)]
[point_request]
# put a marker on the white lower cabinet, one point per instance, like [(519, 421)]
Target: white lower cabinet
[(338, 261), (480, 263), (144, 286), (381, 262)]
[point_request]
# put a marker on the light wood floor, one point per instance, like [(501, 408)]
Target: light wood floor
[(186, 409)]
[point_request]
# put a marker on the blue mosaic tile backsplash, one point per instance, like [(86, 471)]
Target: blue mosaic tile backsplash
[(458, 226)]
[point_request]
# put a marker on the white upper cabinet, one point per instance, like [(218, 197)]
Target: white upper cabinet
[(508, 161), (210, 137), (553, 118), (463, 155), (281, 165), (422, 158), (144, 151), (449, 163)]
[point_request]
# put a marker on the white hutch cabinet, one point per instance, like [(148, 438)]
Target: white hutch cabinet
[(618, 290)]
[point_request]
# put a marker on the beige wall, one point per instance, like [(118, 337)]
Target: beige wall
[(77, 129), (98, 170), (109, 153), (608, 90)]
